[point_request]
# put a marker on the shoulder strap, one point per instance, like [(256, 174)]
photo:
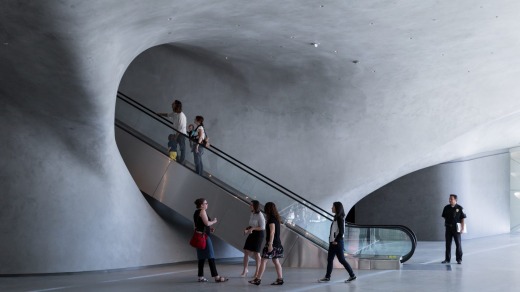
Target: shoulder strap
[(203, 129)]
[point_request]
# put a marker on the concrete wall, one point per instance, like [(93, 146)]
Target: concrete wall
[(313, 124), (272, 117), (328, 121), (68, 203), (515, 189), (416, 200)]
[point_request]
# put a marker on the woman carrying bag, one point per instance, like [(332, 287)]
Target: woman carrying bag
[(202, 225)]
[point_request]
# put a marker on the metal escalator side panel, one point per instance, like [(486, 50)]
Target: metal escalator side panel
[(180, 188), (146, 170), (177, 187), (300, 252)]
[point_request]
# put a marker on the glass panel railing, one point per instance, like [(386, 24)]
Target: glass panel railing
[(380, 241), (302, 216)]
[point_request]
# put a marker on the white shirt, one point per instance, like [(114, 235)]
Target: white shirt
[(203, 135), (257, 220), (334, 229), (179, 121)]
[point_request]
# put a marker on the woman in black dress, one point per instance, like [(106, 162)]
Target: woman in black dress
[(256, 231), (202, 225), (273, 248)]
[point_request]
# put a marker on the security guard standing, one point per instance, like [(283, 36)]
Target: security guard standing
[(453, 214)]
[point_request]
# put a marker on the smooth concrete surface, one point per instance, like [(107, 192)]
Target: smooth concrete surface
[(333, 99), (515, 189), (390, 88), (489, 264), (68, 202), (416, 200)]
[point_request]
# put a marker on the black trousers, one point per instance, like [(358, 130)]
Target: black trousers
[(337, 251), (212, 267), (452, 234)]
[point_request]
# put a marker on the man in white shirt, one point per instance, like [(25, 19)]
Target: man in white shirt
[(179, 123)]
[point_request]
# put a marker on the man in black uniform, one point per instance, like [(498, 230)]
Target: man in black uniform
[(453, 214)]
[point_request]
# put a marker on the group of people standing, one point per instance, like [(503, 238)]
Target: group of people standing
[(267, 227), (177, 141), (258, 229)]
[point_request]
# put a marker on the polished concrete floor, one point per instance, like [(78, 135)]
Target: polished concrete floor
[(489, 264)]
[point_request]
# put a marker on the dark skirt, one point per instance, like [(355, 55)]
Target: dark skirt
[(254, 241), (275, 254)]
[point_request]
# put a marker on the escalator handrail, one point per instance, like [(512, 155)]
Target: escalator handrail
[(402, 228), (267, 180), (317, 241), (243, 166)]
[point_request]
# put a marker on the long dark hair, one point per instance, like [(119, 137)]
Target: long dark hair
[(256, 206), (340, 212), (270, 210)]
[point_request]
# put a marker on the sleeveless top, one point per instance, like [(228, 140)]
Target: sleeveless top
[(199, 224), (196, 133)]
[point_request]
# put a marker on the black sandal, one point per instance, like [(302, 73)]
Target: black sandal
[(221, 279), (278, 282), (255, 281)]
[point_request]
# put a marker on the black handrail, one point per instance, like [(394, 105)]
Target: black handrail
[(403, 228), (297, 229), (229, 158)]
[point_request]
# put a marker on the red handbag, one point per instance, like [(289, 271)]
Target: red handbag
[(198, 240)]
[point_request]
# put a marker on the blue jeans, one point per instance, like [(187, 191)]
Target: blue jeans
[(207, 253), (181, 140), (337, 251), (197, 159)]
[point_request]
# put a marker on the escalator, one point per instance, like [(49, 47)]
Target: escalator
[(230, 185)]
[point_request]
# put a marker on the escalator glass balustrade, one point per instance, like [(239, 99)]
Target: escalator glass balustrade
[(243, 182)]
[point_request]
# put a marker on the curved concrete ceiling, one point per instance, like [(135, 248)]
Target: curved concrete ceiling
[(397, 85), (362, 93)]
